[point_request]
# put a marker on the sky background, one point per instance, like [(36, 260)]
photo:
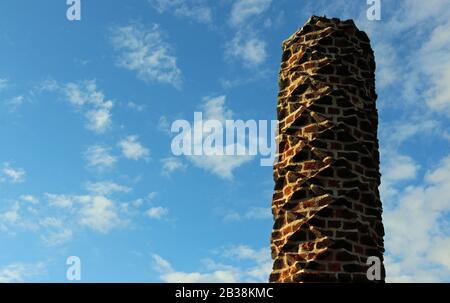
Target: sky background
[(86, 167)]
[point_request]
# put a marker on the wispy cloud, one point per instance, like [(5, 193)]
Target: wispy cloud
[(171, 165), (163, 125), (157, 212), (15, 102), (59, 217), (427, 204), (99, 157), (253, 213), (143, 50), (394, 134), (261, 213), (196, 10), (97, 109), (256, 269), (435, 55), (30, 199), (399, 167), (87, 99), (3, 83), (247, 47), (10, 217), (136, 107), (12, 174), (96, 212), (133, 149), (60, 201), (106, 188), (220, 165), (21, 272), (55, 232), (396, 169), (244, 10)]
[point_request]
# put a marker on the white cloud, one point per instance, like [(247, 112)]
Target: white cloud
[(99, 157), (11, 216), (98, 213), (163, 125), (261, 213), (244, 10), (397, 133), (60, 201), (157, 212), (135, 106), (387, 69), (151, 196), (247, 47), (399, 167), (106, 188), (421, 66), (15, 102), (396, 170), (439, 254), (191, 9), (3, 84), (135, 203), (133, 149), (244, 252), (11, 174), (172, 164), (20, 272), (169, 275), (144, 51), (256, 267), (57, 220), (30, 199), (415, 12), (416, 225), (220, 165), (15, 218), (55, 231), (86, 97), (215, 109), (161, 264), (232, 216), (435, 55), (58, 237), (253, 213), (94, 211)]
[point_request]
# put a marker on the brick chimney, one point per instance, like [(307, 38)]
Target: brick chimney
[(326, 203)]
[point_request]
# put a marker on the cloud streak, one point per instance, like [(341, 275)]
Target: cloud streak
[(257, 268), (193, 9), (133, 149), (143, 50), (12, 174)]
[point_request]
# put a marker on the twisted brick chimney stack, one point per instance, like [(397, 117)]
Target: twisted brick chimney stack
[(326, 203)]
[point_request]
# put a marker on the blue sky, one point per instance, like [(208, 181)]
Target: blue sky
[(86, 167)]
